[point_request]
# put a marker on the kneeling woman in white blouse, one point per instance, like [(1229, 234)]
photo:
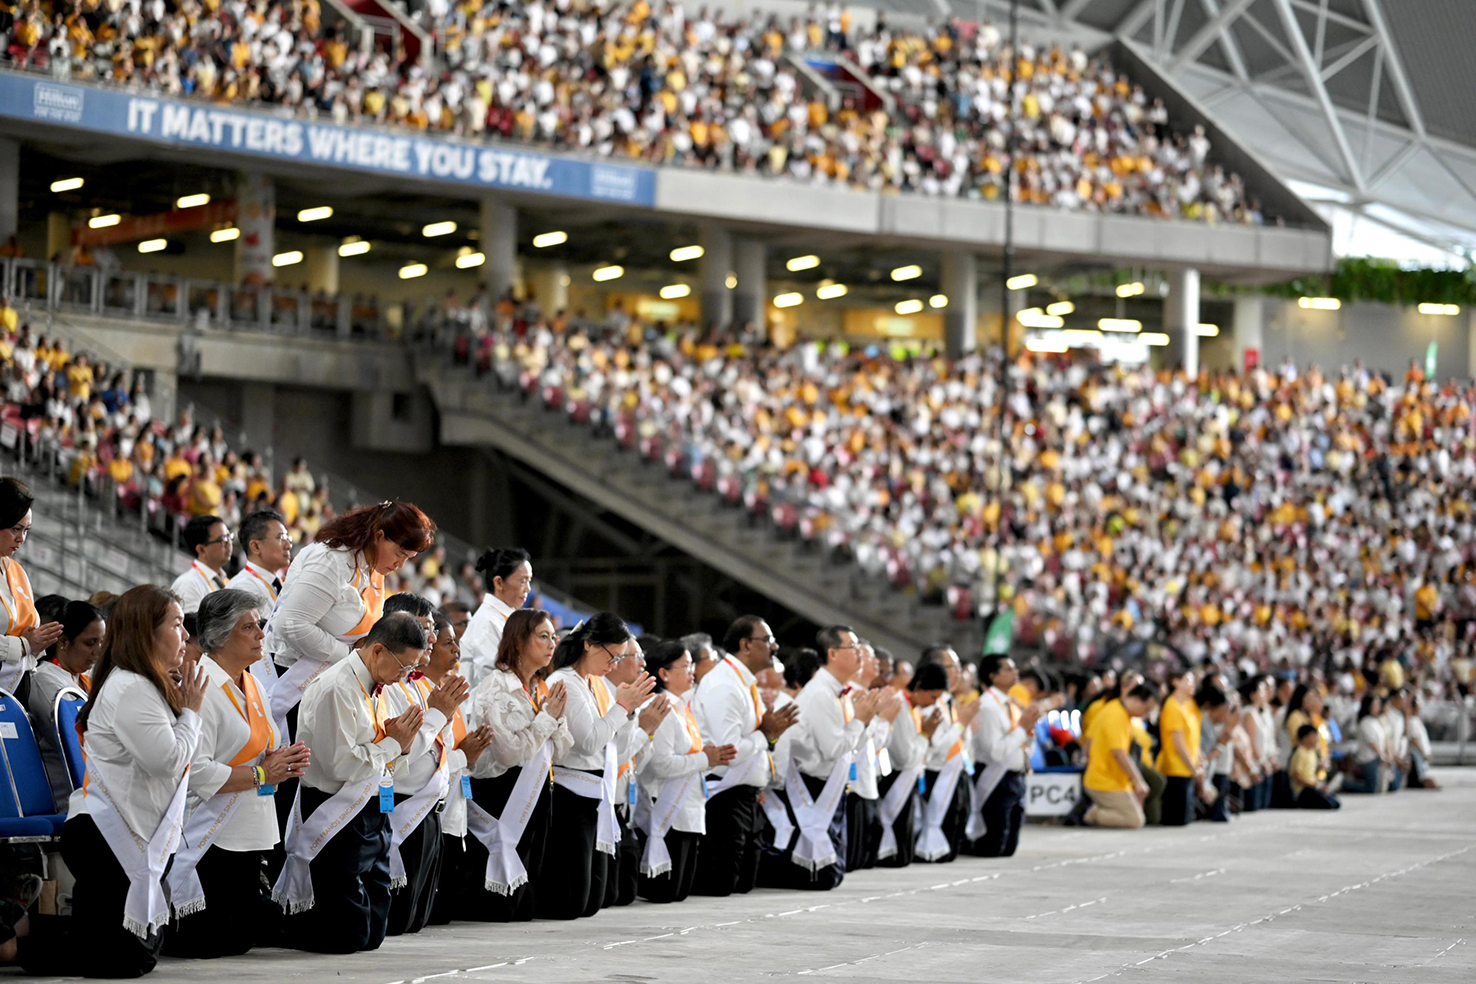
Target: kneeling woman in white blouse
[(672, 779), (140, 729), (231, 821)]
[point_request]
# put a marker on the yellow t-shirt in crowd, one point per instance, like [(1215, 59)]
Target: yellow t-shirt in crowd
[(1020, 695), (1089, 715), (1111, 730), (1303, 769), (1145, 743), (1184, 719)]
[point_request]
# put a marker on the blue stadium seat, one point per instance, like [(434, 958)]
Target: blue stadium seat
[(69, 701), (26, 808)]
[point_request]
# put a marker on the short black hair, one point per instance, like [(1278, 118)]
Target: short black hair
[(742, 628), (15, 501), (989, 665), (1304, 731), (829, 638), (1035, 677), (398, 632), (197, 532), (929, 676), (800, 666), (1213, 697), (932, 654), (1144, 692), (407, 602), (254, 526)]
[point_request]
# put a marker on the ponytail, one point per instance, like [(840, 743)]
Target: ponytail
[(600, 629)]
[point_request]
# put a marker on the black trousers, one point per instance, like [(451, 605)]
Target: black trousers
[(902, 828), (1178, 801), (410, 906), (94, 942), (1004, 814), (676, 884), (478, 903), (449, 903), (955, 817), (729, 859), (1219, 810), (624, 877), (863, 832), (285, 796), (238, 908), (351, 885), (777, 870), (574, 872), (1312, 798)]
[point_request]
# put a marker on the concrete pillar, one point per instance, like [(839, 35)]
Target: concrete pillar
[(500, 245), (712, 274), (1181, 318), (9, 189), (58, 235), (1250, 328), (320, 268), (256, 217), (961, 316), (259, 415), (549, 283), (751, 297)]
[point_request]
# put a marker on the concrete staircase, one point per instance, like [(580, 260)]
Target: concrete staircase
[(475, 412)]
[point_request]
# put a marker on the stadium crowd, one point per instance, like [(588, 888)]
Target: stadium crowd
[(648, 82)]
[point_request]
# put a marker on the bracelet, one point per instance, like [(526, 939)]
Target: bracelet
[(258, 776)]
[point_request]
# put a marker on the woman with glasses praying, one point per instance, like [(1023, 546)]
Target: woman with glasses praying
[(511, 784), (25, 637), (584, 832), (215, 883)]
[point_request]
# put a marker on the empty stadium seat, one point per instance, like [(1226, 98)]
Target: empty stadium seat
[(26, 808)]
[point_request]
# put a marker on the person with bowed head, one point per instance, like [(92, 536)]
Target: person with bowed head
[(25, 636), (508, 575), (68, 663)]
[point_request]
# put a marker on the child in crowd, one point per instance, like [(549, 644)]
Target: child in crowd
[(1310, 794)]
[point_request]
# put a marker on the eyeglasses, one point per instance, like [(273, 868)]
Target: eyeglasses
[(614, 658), (227, 538), (769, 641)]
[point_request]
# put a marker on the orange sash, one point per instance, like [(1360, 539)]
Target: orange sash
[(848, 708), (539, 696), (23, 616), (604, 700), (425, 687), (87, 682), (958, 746), (262, 736), (372, 594), (458, 728), (753, 690), (694, 732), (376, 711)]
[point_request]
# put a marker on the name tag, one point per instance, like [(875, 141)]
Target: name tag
[(883, 763), (466, 787), (703, 781), (853, 772), (630, 794), (386, 795), (922, 785), (265, 790)]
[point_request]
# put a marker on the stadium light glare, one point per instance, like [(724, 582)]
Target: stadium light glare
[(1060, 308), (467, 261), (192, 201), (104, 221), (435, 229), (672, 292), (797, 263), (912, 306), (152, 245), (317, 214), (1206, 330), (684, 253), (1054, 346), (412, 270), (356, 248), (541, 241), (731, 282), (1448, 310), (790, 299), (1153, 338), (1022, 282), (1080, 337), (66, 184), (910, 272), (938, 301), (1036, 318), (611, 272), (225, 235), (830, 292), (290, 258), (1120, 324), (1319, 303), (1130, 290)]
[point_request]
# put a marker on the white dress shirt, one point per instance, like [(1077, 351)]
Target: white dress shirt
[(784, 745), (671, 759), (194, 584), (948, 735), (482, 637), (726, 712), (422, 758), (318, 605), (1394, 730), (590, 730), (996, 738), (336, 722), (824, 734), (139, 748), (518, 729), (632, 749), (868, 757), (223, 733), (257, 580), (13, 648), (906, 745)]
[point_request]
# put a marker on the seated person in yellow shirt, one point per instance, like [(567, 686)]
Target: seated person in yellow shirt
[(1310, 794), (1112, 780)]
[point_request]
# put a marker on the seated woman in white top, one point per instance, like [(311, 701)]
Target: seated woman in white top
[(68, 663), (526, 718), (230, 820), (1372, 758), (24, 636), (508, 574), (672, 776), (140, 728), (584, 832)]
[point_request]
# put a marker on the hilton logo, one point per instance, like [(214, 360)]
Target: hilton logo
[(53, 102)]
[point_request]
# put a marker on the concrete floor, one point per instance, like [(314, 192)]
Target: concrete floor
[(1379, 892)]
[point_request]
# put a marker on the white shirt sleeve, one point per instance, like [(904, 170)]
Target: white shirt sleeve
[(208, 774), (158, 743), (303, 604), (341, 719), (191, 590), (590, 731), (517, 732), (670, 757)]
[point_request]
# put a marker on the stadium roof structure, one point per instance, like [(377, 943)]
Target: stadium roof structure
[(1365, 104)]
